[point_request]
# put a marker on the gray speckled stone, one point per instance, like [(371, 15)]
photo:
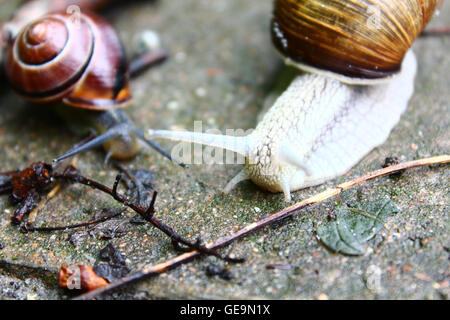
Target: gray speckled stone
[(222, 66)]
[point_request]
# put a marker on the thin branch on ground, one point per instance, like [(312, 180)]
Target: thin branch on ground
[(147, 214), (271, 219), (39, 176), (30, 228)]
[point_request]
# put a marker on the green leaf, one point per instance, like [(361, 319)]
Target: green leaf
[(353, 227)]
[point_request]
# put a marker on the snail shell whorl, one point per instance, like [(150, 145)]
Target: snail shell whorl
[(80, 62), (353, 38)]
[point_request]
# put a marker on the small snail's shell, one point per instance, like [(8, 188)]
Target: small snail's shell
[(34, 9), (78, 61), (353, 39)]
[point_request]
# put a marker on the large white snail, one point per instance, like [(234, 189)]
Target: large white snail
[(360, 78)]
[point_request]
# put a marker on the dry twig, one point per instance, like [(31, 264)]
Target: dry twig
[(70, 174)]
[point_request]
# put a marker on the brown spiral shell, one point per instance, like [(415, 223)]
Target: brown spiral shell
[(358, 39), (80, 62)]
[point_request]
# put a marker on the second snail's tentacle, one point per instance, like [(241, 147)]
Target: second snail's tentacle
[(121, 130), (96, 142), (158, 148), (108, 156)]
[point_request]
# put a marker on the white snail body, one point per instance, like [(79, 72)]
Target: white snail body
[(320, 127), (325, 122), (316, 130)]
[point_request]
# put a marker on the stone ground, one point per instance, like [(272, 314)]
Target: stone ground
[(220, 70)]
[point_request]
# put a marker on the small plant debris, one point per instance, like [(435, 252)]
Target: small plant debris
[(77, 237), (390, 161), (137, 220), (26, 186), (278, 266), (112, 264), (81, 277), (138, 183), (110, 229), (145, 176), (223, 273), (353, 227)]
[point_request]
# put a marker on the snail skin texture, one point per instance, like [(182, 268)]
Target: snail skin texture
[(361, 79)]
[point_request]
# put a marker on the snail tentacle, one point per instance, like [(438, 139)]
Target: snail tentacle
[(240, 145), (152, 144), (286, 187), (122, 132), (241, 176), (109, 135)]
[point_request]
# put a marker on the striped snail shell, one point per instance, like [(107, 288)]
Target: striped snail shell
[(80, 62), (31, 10), (352, 39)]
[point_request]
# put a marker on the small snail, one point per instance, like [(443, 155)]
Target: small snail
[(360, 76), (80, 62)]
